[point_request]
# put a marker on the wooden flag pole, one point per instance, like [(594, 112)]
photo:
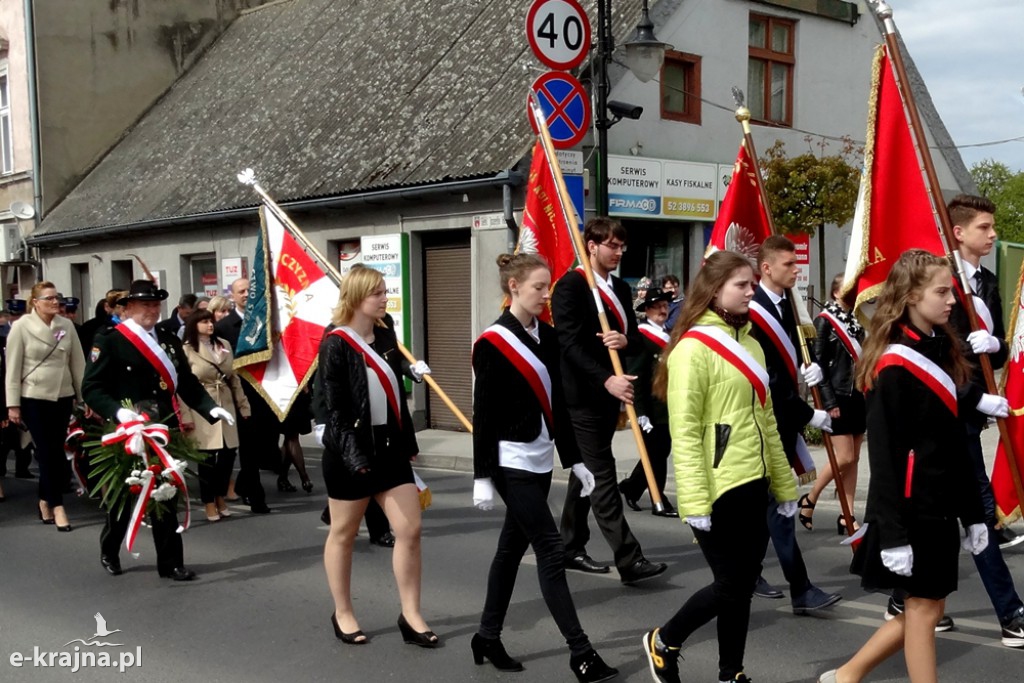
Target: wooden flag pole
[(884, 12), (336, 277), (743, 116), (584, 259)]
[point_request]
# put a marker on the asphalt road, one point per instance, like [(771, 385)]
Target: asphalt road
[(260, 609)]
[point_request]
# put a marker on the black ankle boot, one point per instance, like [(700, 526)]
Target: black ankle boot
[(492, 649), (590, 668)]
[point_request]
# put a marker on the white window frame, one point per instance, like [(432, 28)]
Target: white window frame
[(6, 152)]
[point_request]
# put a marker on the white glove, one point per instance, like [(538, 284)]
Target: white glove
[(483, 494), (821, 420), (812, 374), (418, 369), (219, 413), (983, 342), (975, 539), (899, 560), (644, 423), (702, 522), (994, 405), (126, 415), (318, 434), (585, 477), (787, 508)]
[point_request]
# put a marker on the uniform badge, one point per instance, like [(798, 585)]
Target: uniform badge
[(163, 385), (94, 354)]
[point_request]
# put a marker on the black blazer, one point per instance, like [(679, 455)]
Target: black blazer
[(585, 361), (345, 395), (792, 413), (119, 371), (644, 365), (228, 328), (505, 408), (989, 293), (172, 324), (836, 363), (904, 415)]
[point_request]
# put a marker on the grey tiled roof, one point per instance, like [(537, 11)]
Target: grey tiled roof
[(326, 97)]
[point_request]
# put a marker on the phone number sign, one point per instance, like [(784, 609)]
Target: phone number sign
[(661, 188)]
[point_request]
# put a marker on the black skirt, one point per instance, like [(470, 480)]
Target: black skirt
[(389, 468), (852, 418), (936, 546)]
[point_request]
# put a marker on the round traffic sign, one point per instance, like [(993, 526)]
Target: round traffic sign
[(559, 33), (566, 108)]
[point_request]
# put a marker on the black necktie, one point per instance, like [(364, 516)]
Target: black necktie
[(979, 284)]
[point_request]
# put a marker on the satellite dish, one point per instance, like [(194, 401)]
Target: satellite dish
[(22, 211)]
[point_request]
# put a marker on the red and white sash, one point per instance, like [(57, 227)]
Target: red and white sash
[(772, 327), (611, 301), (145, 344), (981, 311), (849, 341), (733, 352), (524, 360), (655, 333), (928, 372), (380, 367)]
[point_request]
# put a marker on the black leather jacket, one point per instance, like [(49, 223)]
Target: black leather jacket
[(836, 363), (348, 433)]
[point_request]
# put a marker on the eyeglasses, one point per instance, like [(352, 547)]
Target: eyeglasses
[(615, 246), (52, 297)]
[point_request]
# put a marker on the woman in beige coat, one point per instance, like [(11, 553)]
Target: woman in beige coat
[(211, 360), (45, 365)]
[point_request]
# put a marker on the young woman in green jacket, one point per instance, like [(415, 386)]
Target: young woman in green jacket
[(727, 456)]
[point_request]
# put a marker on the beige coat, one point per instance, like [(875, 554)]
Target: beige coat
[(34, 374), (227, 393)]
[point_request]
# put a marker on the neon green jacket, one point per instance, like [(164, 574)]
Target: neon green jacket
[(714, 415)]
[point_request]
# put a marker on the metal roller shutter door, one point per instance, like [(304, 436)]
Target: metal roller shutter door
[(449, 333)]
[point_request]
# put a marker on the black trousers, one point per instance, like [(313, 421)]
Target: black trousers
[(170, 552), (47, 422), (594, 431), (10, 440), (257, 435), (658, 443), (528, 522), (733, 549), (215, 474)]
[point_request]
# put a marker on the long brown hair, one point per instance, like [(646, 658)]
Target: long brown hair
[(909, 275), (712, 276)]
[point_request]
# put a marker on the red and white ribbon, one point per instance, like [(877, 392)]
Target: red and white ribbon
[(655, 333), (925, 370), (138, 437), (772, 327), (848, 340), (380, 367), (72, 450), (611, 301), (731, 351), (526, 362)]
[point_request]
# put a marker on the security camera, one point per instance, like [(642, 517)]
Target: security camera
[(625, 110)]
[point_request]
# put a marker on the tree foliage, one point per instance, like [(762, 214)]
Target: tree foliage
[(1006, 188), (811, 190)]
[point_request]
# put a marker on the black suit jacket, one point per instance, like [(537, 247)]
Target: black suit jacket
[(172, 324), (585, 361), (119, 371), (792, 412), (989, 293), (229, 327)]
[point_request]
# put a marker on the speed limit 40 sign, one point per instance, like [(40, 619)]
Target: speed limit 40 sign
[(559, 33)]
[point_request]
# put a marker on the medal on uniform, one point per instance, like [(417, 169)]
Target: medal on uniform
[(163, 385)]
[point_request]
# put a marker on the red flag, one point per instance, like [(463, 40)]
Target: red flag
[(742, 221), (1007, 505), (894, 211), (544, 231)]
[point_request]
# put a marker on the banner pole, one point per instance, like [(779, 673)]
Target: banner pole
[(335, 275), (584, 258)]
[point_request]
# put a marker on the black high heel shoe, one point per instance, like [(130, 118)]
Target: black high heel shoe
[(285, 486), (805, 504), (590, 668), (841, 525), (426, 639), (492, 649), (307, 486), (347, 638)]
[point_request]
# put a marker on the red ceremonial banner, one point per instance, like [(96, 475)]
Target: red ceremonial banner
[(894, 211), (742, 223), (1007, 505)]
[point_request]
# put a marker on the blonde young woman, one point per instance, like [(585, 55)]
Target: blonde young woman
[(211, 361), (45, 365), (220, 306), (369, 444)]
